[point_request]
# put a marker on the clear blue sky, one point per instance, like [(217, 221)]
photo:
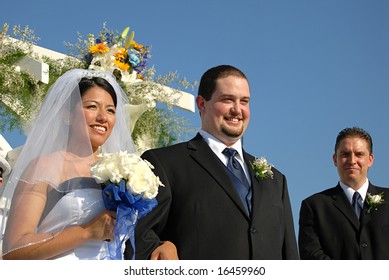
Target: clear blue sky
[(315, 67)]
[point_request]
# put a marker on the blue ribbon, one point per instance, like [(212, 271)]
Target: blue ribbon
[(129, 209)]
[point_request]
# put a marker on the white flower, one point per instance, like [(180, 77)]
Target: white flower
[(374, 201), (261, 168), (128, 78), (143, 181), (144, 142), (375, 198), (138, 174)]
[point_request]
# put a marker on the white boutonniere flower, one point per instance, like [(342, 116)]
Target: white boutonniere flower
[(261, 168), (374, 201)]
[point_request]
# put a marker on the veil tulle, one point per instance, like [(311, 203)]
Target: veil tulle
[(58, 149)]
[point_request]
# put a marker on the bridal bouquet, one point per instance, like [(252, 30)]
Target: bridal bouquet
[(130, 190)]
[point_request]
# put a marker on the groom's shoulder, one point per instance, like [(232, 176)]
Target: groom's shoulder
[(169, 150)]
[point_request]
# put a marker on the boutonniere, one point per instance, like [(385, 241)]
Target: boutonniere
[(261, 168), (374, 201)]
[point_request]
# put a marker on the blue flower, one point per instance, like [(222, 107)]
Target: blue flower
[(134, 60)]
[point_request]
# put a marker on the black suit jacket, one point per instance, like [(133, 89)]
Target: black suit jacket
[(329, 228), (200, 211)]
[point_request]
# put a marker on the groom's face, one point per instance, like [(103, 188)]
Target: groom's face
[(227, 114)]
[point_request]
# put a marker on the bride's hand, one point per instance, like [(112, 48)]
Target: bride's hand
[(101, 227)]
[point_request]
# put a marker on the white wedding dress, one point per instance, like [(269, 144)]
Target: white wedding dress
[(79, 204)]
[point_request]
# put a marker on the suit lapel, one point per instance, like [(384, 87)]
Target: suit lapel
[(365, 216), (207, 159), (343, 205), (260, 201)]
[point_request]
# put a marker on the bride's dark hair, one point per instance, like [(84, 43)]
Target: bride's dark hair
[(87, 83)]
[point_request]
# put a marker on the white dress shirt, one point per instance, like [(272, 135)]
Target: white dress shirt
[(217, 147), (350, 192)]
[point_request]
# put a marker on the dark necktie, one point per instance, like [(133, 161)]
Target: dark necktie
[(357, 203), (242, 184)]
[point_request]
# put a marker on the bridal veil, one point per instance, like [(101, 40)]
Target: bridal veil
[(57, 150)]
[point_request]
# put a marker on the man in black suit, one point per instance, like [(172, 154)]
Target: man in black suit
[(200, 209), (339, 223)]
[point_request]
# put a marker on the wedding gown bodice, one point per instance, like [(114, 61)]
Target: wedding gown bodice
[(77, 202)]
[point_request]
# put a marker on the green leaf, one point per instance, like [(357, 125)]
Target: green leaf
[(125, 32), (129, 40)]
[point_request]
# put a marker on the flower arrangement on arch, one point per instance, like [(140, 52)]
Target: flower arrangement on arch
[(127, 59), (130, 188)]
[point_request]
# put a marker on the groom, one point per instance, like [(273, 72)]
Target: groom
[(206, 210)]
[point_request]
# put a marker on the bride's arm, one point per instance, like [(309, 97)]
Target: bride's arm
[(21, 237)]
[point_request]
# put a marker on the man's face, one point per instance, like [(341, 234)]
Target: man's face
[(353, 160), (227, 114)]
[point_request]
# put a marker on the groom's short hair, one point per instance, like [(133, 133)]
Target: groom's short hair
[(354, 132)]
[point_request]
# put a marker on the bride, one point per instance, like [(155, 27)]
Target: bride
[(57, 210)]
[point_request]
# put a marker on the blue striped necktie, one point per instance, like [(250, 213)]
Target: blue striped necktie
[(357, 203), (242, 186)]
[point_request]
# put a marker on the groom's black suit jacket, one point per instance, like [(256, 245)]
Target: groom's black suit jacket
[(200, 211), (329, 228)]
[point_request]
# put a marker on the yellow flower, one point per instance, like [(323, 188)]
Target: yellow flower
[(122, 65), (121, 59), (99, 48), (137, 46), (121, 54)]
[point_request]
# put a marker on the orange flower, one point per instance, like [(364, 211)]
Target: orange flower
[(137, 46), (122, 65), (121, 59), (99, 48), (121, 54)]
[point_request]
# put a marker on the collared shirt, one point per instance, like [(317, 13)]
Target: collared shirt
[(217, 147), (350, 192)]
